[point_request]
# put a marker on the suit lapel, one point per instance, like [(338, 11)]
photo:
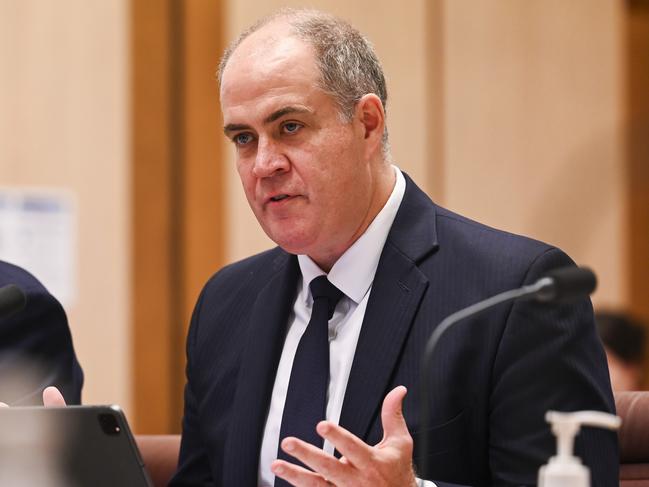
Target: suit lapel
[(261, 355), (397, 290)]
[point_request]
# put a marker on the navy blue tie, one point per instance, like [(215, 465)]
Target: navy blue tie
[(306, 399)]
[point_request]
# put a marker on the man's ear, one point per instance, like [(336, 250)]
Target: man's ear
[(369, 111)]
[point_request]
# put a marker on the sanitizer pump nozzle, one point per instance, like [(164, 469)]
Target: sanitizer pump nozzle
[(564, 469)]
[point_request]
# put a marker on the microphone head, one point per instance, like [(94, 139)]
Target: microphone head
[(12, 300), (568, 284)]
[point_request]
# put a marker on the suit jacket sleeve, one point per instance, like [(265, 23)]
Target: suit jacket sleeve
[(549, 357), (36, 341)]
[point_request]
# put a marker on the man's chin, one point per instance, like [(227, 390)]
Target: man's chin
[(291, 243), (293, 248)]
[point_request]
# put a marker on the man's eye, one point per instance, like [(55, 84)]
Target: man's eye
[(242, 139), (291, 127)]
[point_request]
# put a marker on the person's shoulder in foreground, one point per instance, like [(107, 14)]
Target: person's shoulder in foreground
[(36, 345), (303, 99)]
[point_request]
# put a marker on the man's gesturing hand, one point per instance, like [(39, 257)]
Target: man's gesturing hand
[(386, 464)]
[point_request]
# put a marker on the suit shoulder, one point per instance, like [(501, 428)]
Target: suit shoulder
[(12, 274), (474, 249), (259, 265), (230, 294), (456, 229), (249, 274)]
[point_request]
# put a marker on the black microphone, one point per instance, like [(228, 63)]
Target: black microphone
[(567, 284), (12, 300), (560, 285)]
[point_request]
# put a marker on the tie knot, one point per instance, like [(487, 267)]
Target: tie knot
[(321, 288)]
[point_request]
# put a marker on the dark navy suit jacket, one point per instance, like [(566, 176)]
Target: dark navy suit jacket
[(492, 381), (36, 340)]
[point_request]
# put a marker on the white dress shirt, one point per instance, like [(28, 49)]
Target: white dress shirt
[(353, 273)]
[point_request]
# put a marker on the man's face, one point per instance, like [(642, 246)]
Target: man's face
[(305, 171)]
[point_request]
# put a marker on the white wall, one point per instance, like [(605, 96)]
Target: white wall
[(64, 123), (533, 125)]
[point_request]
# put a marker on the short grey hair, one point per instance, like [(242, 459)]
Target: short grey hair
[(349, 67)]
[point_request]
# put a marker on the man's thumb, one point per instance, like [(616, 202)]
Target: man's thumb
[(394, 424), (52, 397)]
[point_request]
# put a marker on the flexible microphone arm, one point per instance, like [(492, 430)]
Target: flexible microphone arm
[(560, 285)]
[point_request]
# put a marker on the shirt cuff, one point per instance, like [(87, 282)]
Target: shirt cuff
[(424, 483)]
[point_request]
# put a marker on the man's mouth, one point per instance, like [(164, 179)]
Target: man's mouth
[(279, 197)]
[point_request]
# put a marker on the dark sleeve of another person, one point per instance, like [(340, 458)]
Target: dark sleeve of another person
[(36, 347)]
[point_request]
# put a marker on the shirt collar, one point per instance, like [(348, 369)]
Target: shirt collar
[(353, 273)]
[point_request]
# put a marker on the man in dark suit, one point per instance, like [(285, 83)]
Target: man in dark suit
[(36, 345), (303, 99)]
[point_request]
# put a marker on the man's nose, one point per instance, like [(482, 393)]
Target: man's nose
[(270, 159)]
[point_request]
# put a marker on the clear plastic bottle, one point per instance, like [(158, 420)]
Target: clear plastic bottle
[(564, 469)]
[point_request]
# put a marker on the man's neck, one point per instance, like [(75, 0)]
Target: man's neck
[(385, 185)]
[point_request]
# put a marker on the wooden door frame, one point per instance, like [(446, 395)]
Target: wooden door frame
[(177, 187)]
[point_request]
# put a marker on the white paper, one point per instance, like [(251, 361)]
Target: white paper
[(38, 232)]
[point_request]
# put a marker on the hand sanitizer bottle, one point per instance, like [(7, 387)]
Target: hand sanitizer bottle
[(564, 469)]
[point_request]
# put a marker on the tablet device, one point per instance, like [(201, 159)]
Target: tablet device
[(73, 446)]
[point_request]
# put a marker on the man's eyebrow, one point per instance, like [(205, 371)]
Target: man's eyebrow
[(233, 127), (285, 111)]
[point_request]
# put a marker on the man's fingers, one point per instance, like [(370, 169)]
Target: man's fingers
[(394, 424), (316, 459), (359, 457), (297, 475), (357, 453), (52, 397)]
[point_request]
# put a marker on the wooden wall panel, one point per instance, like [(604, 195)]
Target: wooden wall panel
[(435, 103), (533, 126), (177, 192), (153, 245), (202, 225), (637, 62)]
